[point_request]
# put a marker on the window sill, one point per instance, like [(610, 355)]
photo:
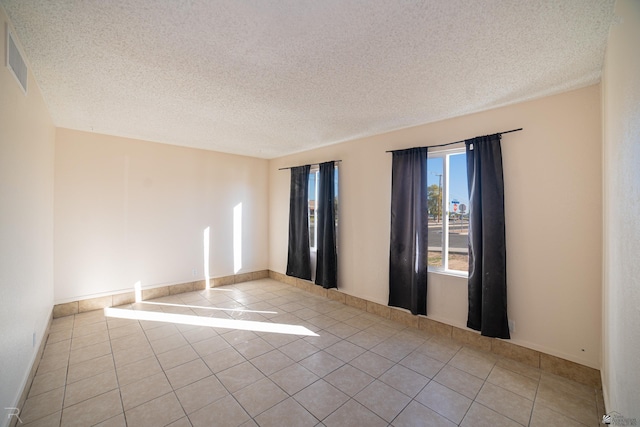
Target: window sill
[(453, 273)]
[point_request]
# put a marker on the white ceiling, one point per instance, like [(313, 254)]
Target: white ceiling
[(266, 78)]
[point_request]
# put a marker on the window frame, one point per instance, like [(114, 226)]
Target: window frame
[(445, 155)]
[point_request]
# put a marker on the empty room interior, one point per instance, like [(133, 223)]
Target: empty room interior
[(337, 213)]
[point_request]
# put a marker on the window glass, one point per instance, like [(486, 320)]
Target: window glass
[(458, 255), (447, 206), (313, 175)]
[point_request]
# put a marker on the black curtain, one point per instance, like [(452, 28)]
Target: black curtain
[(487, 245), (299, 259), (327, 259), (408, 251)]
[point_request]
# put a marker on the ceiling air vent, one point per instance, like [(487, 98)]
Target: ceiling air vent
[(15, 62)]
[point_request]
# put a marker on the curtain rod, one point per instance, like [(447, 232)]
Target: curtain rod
[(312, 164), (458, 142)]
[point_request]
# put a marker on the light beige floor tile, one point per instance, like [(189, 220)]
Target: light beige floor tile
[(322, 321), (417, 415), (464, 383), (187, 373), (144, 390), (117, 421), (365, 339), (48, 381), (89, 317), (159, 331), (201, 393), (519, 368), (52, 420), (321, 399), (392, 350), (516, 383), (158, 412), (62, 324), (177, 356), (87, 348), (116, 322), (349, 380), (567, 386), (90, 387), (61, 335), (136, 371), (89, 368), (481, 416), (210, 345), (345, 351), (353, 414), (298, 350), (132, 354), (260, 396), (444, 401), (254, 348), (372, 363), (239, 376), (542, 416), (199, 333), (182, 422), (323, 340), (223, 360), (53, 363), (125, 330), (404, 380), (321, 363), (92, 411), (286, 413), (89, 352), (506, 403), (126, 342), (271, 362), (42, 405), (162, 345), (382, 399), (472, 365), (278, 340), (342, 330), (235, 337), (56, 349), (568, 404), (223, 412), (294, 378), (89, 329), (440, 348), (422, 364), (85, 340)]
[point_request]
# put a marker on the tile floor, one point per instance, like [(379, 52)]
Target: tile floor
[(356, 369)]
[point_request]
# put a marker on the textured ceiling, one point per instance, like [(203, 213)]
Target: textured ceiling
[(266, 78)]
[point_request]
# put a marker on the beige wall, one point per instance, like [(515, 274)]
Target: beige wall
[(621, 187), (26, 227), (553, 207), (129, 210)]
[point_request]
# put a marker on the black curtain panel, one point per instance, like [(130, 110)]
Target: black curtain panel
[(487, 245), (408, 251), (327, 258), (299, 259)]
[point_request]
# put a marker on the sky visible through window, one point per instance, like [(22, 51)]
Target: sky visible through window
[(457, 177)]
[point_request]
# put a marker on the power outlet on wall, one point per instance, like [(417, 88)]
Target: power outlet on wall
[(33, 339), (512, 325), (194, 272)]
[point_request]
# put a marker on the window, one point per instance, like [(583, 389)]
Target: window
[(314, 175), (448, 213)]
